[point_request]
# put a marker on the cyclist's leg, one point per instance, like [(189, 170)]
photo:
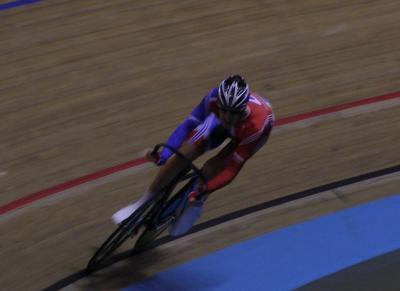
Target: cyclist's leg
[(210, 169), (167, 173), (174, 166), (125, 212), (196, 145)]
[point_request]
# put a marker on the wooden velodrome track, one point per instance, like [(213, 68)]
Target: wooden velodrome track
[(90, 84)]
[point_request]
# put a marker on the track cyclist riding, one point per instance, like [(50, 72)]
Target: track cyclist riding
[(229, 111)]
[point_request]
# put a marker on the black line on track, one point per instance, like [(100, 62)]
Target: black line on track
[(236, 214)]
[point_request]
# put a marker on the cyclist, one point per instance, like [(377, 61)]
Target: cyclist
[(229, 111)]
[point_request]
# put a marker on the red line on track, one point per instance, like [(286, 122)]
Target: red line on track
[(67, 185), (134, 163), (341, 107)]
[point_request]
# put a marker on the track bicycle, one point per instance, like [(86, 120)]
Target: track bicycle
[(151, 218)]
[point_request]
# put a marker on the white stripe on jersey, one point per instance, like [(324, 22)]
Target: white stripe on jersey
[(261, 101), (194, 118), (238, 158), (201, 129)]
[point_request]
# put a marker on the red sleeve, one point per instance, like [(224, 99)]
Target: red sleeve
[(242, 153), (225, 177), (235, 163)]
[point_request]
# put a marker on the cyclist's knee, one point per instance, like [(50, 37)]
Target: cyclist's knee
[(191, 151)]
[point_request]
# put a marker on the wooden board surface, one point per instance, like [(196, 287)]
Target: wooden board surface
[(87, 85)]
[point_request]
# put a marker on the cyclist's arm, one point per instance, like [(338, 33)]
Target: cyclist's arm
[(197, 116), (242, 153), (225, 176)]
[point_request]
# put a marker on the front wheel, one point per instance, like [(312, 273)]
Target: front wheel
[(127, 228), (151, 232), (162, 219)]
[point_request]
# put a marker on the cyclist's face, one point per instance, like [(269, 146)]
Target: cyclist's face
[(229, 118)]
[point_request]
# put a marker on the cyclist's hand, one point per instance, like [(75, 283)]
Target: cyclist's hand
[(193, 196), (154, 157), (197, 193)]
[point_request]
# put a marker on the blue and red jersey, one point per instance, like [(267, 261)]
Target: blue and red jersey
[(249, 134)]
